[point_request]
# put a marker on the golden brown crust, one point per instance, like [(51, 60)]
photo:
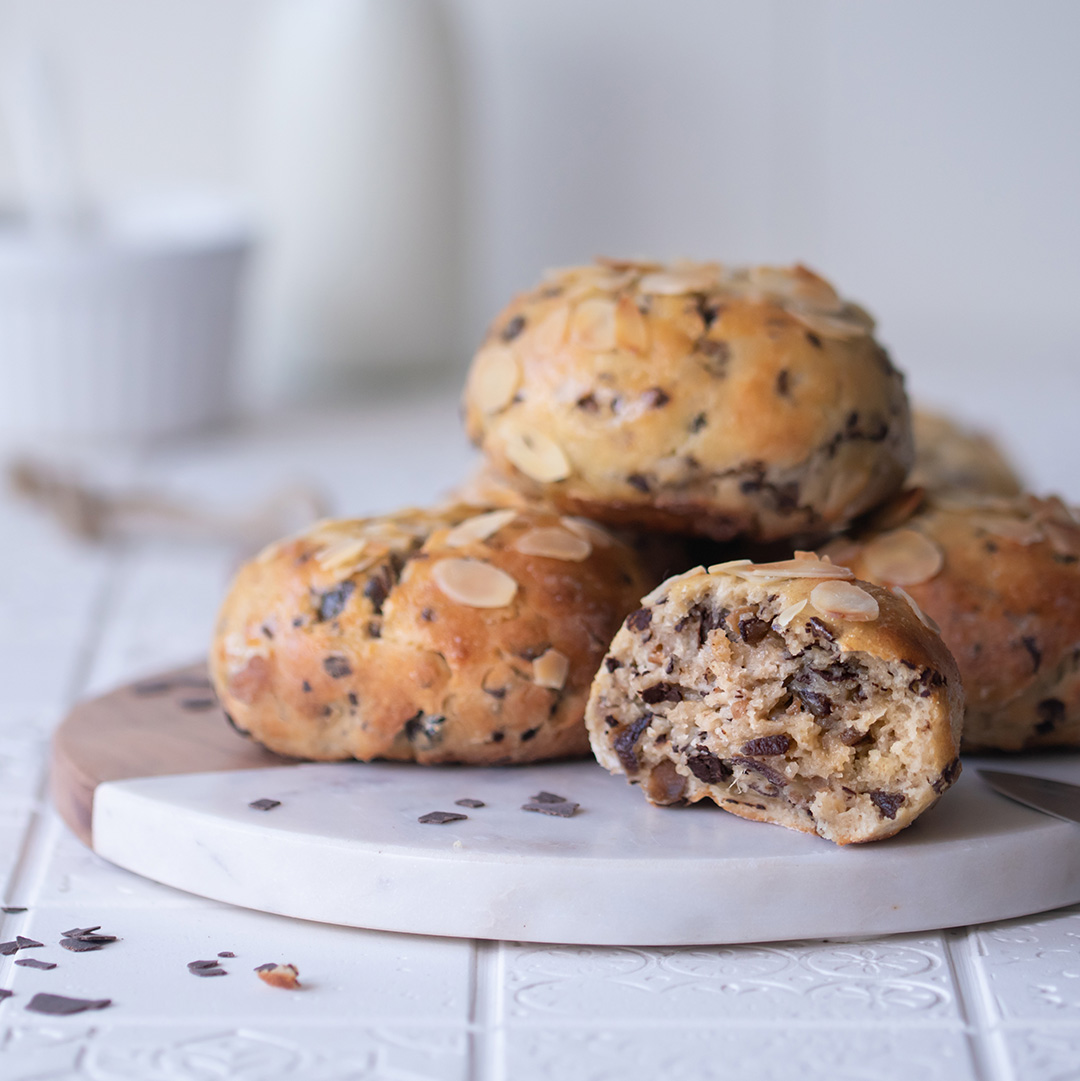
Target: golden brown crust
[(1005, 589), (691, 399), (819, 703), (452, 636)]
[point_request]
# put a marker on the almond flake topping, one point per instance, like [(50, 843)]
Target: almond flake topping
[(924, 619), (827, 325), (593, 325), (554, 543), (588, 530), (792, 568), (342, 554), (550, 332), (730, 567), (495, 378), (789, 613), (474, 583), (844, 600), (903, 557), (550, 670), (631, 330), (479, 528), (674, 283), (1011, 529), (537, 455)]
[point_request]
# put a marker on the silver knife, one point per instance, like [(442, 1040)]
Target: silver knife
[(1051, 797)]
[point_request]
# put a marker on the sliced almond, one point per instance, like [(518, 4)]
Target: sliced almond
[(550, 332), (495, 378), (341, 554), (592, 325), (730, 567), (789, 613), (797, 284), (631, 330), (588, 530), (474, 583), (550, 670), (924, 619), (829, 326), (674, 283), (642, 266), (479, 528), (794, 568), (1064, 539), (903, 557), (844, 600), (1017, 530), (537, 455), (554, 543)]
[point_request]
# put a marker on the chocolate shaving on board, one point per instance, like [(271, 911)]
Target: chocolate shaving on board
[(206, 968), (12, 909), (33, 962), (79, 945), (27, 943), (264, 804), (61, 1005), (439, 818), (469, 803), (547, 797), (226, 953), (8, 948), (197, 704), (562, 809), (4, 993)]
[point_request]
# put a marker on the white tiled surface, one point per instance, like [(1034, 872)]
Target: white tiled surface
[(995, 1003)]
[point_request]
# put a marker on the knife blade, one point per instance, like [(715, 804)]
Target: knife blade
[(1040, 793)]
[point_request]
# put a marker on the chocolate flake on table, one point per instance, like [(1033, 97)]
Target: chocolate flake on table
[(264, 804), (61, 1005), (86, 934), (33, 962), (4, 993), (226, 953), (162, 686), (468, 802), (79, 945), (277, 975), (438, 818), (206, 968), (198, 704), (8, 948), (12, 909), (27, 943), (547, 803)]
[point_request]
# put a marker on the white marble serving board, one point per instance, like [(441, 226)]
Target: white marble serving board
[(345, 847)]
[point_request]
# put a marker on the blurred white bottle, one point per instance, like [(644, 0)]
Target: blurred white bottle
[(355, 170)]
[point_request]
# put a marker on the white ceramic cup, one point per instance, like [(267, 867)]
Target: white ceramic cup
[(126, 330)]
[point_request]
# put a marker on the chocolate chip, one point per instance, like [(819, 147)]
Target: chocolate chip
[(716, 354), (698, 423), (923, 685), (305, 687), (547, 797), (563, 809), (513, 328), (662, 692), (427, 615), (767, 745), (948, 776), (528, 734), (226, 953), (813, 701), (820, 630), (640, 482), (1033, 648), (27, 943), (1051, 712), (438, 818), (61, 1005), (625, 743), (197, 705), (656, 397), (468, 802), (783, 387), (337, 667), (887, 803), (379, 585), (814, 340), (333, 601), (588, 403), (264, 804), (706, 766), (612, 663), (752, 629), (850, 736), (12, 909), (771, 775), (425, 729), (353, 699), (639, 620), (33, 962)]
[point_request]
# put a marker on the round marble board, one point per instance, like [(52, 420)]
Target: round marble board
[(152, 777)]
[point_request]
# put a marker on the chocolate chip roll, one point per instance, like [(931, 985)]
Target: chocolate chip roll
[(751, 403), (950, 456), (787, 693), (1001, 577), (451, 636)]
